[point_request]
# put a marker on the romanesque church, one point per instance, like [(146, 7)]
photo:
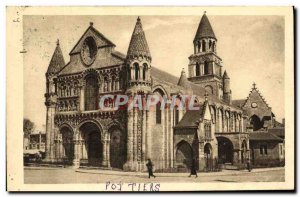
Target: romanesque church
[(220, 133)]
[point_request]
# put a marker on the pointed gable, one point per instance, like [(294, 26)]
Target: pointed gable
[(138, 44), (100, 39), (256, 104), (106, 56), (57, 61)]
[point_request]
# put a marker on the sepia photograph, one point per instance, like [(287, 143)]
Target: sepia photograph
[(164, 99)]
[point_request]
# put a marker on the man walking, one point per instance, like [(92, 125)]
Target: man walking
[(193, 169), (150, 168)]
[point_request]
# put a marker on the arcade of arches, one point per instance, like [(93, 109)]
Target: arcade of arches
[(92, 146)]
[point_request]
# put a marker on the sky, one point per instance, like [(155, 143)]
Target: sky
[(251, 47)]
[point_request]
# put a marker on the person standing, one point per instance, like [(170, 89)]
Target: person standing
[(193, 169), (249, 165), (150, 168)]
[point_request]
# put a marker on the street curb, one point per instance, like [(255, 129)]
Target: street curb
[(224, 173)]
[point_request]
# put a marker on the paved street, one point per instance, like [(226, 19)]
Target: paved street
[(69, 175)]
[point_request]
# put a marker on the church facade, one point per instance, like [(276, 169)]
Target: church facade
[(79, 132)]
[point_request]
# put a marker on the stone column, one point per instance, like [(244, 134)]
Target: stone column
[(104, 151), (108, 151), (117, 84), (76, 160), (144, 130), (109, 85), (171, 145), (163, 150), (81, 108), (148, 134), (141, 72), (128, 165), (134, 139), (61, 149), (236, 156), (132, 74), (201, 156), (167, 140)]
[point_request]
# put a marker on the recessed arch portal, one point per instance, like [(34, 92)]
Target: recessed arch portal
[(255, 122), (184, 155), (92, 148), (225, 150), (67, 143)]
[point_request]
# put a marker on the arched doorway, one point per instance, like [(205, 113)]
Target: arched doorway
[(118, 148), (93, 147), (184, 155), (67, 144), (208, 157), (244, 152), (255, 122), (225, 150)]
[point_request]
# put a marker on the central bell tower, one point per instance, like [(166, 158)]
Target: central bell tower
[(205, 66)]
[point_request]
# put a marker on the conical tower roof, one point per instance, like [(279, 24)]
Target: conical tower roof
[(183, 80), (204, 29), (57, 61), (225, 75), (138, 44)]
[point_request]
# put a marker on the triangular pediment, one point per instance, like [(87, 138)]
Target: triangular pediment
[(100, 39)]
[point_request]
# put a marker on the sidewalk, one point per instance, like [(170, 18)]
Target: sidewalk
[(200, 174)]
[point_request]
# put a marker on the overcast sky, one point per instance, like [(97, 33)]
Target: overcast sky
[(252, 49)]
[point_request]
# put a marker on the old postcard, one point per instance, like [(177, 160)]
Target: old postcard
[(149, 99)]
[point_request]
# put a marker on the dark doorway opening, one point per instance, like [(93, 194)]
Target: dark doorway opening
[(225, 150)]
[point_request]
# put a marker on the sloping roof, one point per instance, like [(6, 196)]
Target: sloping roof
[(57, 61), (191, 119), (119, 54), (239, 102), (264, 136), (138, 44), (159, 74), (204, 29), (278, 131), (183, 82)]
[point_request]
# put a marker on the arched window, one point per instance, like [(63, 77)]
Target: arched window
[(199, 46), (197, 69), (209, 90), (91, 92), (209, 45), (176, 115), (136, 70), (206, 65), (158, 113), (214, 46), (255, 122), (145, 68), (203, 46)]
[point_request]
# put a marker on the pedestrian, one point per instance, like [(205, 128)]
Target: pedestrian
[(150, 168), (249, 165), (193, 169)]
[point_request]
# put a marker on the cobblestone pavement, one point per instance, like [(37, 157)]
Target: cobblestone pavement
[(69, 175)]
